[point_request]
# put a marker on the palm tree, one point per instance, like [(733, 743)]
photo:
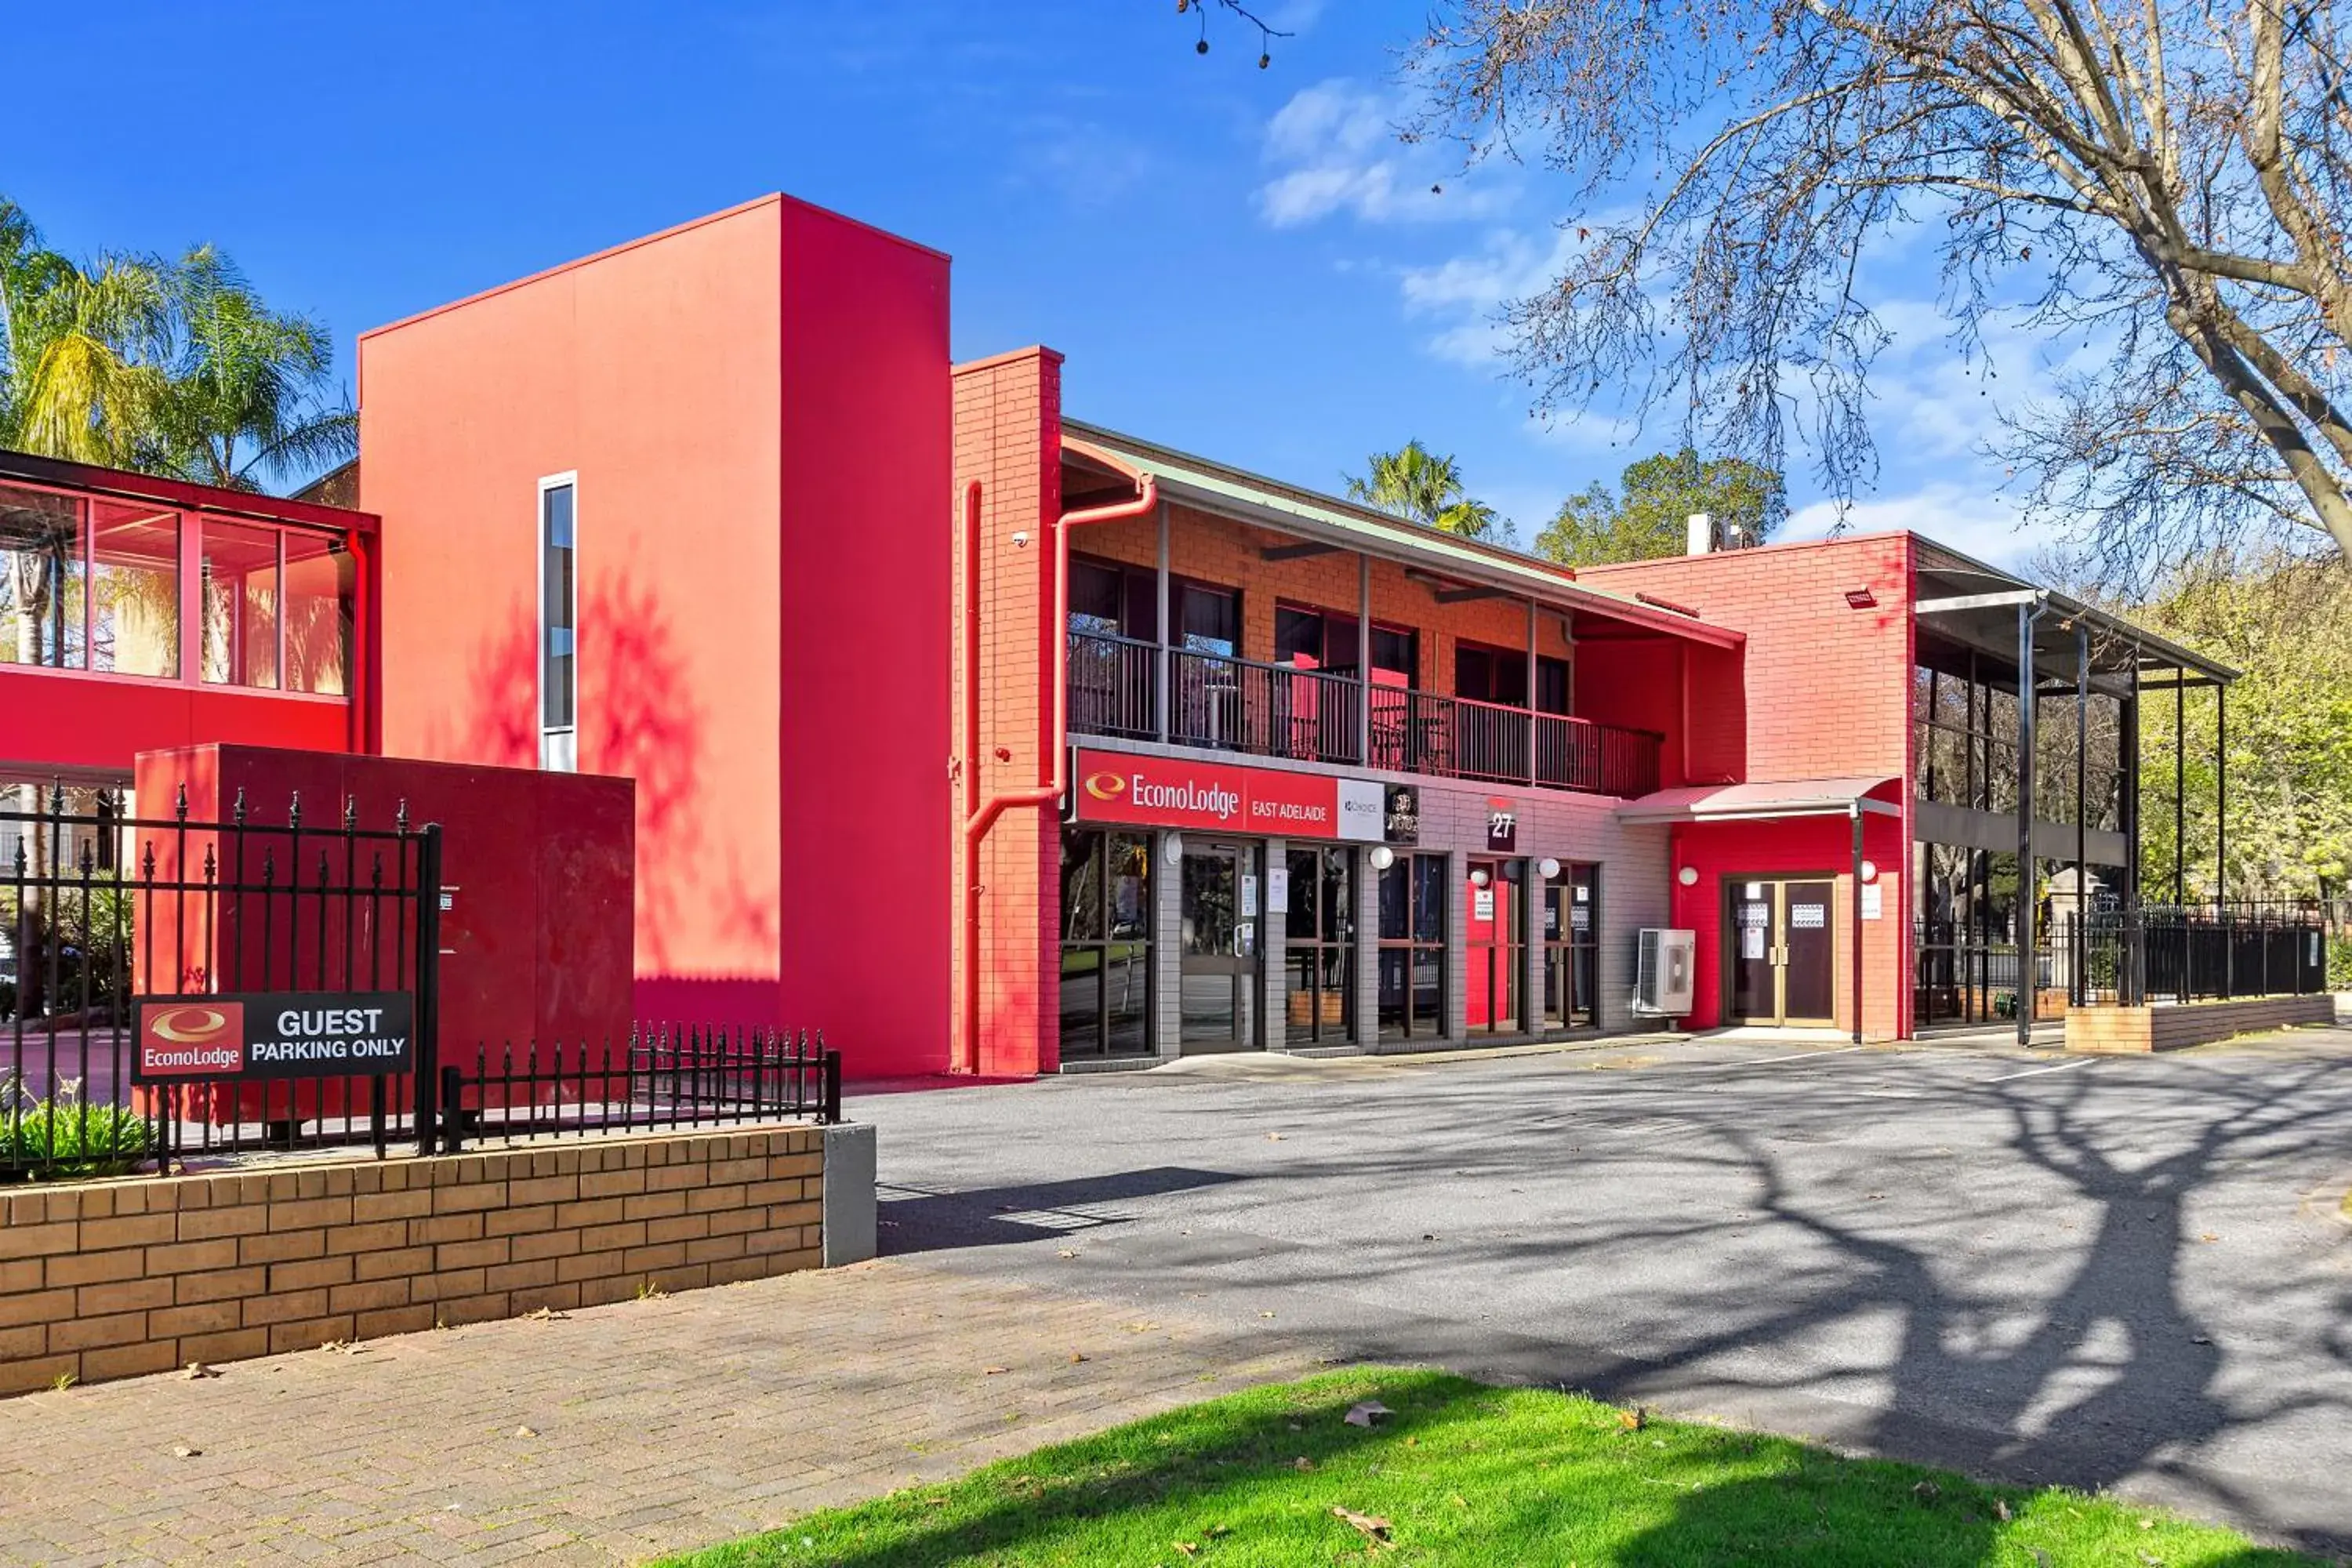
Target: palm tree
[(248, 395), (80, 348), (1415, 483)]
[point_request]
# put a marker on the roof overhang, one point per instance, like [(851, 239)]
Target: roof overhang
[(1759, 801), (1970, 602), (1460, 565)]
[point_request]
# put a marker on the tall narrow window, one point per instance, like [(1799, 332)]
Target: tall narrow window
[(558, 675)]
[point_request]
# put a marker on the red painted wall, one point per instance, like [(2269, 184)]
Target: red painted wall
[(1725, 852), (866, 605), (95, 723), (755, 405), (541, 866)]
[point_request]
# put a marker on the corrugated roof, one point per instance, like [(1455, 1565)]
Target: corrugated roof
[(1270, 503)]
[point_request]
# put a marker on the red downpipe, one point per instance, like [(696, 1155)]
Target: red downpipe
[(1055, 718)]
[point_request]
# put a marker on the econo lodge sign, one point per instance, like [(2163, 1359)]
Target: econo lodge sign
[(1159, 792), (274, 1035)]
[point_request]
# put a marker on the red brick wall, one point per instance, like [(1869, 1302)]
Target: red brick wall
[(1008, 412), (1824, 691), (1825, 687)]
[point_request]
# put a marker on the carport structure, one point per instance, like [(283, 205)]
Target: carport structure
[(1991, 638)]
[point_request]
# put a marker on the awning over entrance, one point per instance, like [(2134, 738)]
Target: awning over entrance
[(1790, 797)]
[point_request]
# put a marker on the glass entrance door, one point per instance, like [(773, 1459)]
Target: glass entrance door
[(1780, 941), (1219, 959)]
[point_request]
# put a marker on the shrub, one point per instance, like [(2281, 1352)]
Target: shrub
[(69, 1137)]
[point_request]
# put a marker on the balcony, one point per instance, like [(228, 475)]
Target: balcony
[(1222, 703)]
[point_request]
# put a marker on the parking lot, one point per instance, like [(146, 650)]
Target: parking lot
[(2127, 1273)]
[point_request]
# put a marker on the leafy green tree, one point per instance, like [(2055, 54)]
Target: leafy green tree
[(2286, 622), (1647, 518), (248, 392), (81, 349), (1415, 483), (173, 368)]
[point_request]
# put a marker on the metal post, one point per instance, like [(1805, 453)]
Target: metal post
[(1856, 811), (1531, 693), (2077, 945), (2029, 969), (2180, 788), (2132, 985), (2222, 841), (429, 985), (1160, 657), (1364, 661)]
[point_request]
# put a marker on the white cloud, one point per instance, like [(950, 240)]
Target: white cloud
[(1972, 521), (1336, 149), (1466, 294)]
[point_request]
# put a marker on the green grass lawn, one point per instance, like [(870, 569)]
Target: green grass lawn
[(1466, 1474)]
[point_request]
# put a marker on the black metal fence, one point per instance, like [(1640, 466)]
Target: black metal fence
[(665, 1079), (2246, 948), (2242, 949), (102, 908)]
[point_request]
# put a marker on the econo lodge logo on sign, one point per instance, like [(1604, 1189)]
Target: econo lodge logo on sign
[(1161, 792), (192, 1039)]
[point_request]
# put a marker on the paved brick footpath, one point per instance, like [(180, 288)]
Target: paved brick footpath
[(611, 1435)]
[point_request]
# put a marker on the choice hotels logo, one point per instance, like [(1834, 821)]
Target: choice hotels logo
[(190, 1038), (1106, 786)]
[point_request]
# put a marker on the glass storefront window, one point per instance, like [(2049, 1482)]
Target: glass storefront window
[(134, 590), (44, 608), (320, 579), (239, 570), (1413, 893), (1105, 946), (1320, 945)]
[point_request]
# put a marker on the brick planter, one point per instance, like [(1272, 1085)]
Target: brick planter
[(108, 1279), (2173, 1028)]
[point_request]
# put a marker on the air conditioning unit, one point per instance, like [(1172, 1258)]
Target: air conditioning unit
[(1665, 972)]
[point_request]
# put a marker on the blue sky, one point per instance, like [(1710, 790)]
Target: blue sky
[(1240, 262)]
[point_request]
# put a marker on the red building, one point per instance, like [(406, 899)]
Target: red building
[(995, 743)]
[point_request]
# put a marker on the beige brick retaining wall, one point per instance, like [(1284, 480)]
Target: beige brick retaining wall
[(2172, 1028), (107, 1279)]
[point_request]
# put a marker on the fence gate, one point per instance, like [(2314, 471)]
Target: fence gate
[(172, 985)]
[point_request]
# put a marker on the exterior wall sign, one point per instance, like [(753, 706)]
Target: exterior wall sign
[(256, 1035), (1502, 824), (1277, 890), (1174, 792), (1403, 823)]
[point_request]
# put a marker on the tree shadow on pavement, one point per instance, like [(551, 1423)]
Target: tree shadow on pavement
[(916, 1219)]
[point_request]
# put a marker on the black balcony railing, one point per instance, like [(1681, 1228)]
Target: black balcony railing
[(1222, 703)]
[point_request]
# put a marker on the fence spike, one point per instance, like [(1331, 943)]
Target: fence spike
[(350, 814), (294, 810), (400, 817), (146, 861), (57, 798), (237, 812), (212, 867), (88, 856)]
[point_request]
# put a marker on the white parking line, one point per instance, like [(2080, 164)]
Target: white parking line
[(1758, 1062), (2030, 1072)]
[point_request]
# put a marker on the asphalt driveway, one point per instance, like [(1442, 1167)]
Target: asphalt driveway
[(2124, 1273)]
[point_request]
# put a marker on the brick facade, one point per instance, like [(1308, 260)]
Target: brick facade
[(109, 1279)]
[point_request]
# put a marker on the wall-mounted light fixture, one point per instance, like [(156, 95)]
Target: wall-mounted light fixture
[(1861, 599), (1171, 848), (1548, 867), (1869, 870), (1480, 876), (1688, 876), (1021, 538), (1381, 856)]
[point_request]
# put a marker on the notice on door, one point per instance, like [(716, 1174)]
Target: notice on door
[(254, 1035), (1751, 943), (1482, 904), (1808, 917)]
